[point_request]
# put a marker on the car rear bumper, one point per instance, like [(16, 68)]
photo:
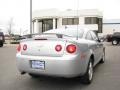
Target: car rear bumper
[(66, 66)]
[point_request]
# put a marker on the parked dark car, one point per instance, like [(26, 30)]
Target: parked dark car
[(114, 38), (1, 39), (109, 37)]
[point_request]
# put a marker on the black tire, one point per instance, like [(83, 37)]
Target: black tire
[(1, 44), (115, 42), (33, 75), (103, 58), (87, 78)]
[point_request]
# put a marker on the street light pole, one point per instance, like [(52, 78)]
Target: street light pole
[(30, 16)]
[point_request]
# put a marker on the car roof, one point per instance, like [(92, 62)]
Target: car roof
[(69, 31), (59, 30)]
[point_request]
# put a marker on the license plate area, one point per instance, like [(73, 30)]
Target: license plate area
[(36, 64)]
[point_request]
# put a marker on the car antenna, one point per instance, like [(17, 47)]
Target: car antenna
[(78, 18)]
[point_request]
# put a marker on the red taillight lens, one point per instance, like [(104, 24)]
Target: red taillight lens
[(58, 48), (24, 47), (19, 48), (71, 48)]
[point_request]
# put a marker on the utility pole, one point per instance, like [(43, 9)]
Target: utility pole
[(30, 16)]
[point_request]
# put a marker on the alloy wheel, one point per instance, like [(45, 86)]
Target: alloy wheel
[(90, 71)]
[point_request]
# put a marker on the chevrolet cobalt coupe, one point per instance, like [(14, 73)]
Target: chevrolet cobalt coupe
[(68, 52)]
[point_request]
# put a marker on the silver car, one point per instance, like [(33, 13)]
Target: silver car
[(68, 52)]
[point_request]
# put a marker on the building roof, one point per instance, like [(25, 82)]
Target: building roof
[(51, 13), (45, 13)]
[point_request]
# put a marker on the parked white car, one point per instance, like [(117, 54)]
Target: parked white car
[(69, 52)]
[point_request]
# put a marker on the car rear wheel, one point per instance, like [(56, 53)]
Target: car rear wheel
[(114, 42), (87, 78)]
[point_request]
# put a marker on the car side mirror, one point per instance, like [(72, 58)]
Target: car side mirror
[(100, 40)]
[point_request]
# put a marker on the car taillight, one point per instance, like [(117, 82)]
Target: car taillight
[(24, 47), (19, 48), (58, 48), (71, 48)]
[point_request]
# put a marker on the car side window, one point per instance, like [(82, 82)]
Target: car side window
[(94, 35), (88, 36)]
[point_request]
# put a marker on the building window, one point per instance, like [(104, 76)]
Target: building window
[(91, 20), (100, 25), (55, 23), (94, 20), (70, 21), (47, 24)]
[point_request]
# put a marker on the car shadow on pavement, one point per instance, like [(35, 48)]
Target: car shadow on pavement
[(55, 83)]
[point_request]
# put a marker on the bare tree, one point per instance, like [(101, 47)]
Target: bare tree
[(10, 26)]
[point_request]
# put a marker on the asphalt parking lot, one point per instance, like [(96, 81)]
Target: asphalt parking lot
[(106, 76)]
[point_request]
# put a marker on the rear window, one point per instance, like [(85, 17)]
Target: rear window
[(69, 33), (49, 35), (73, 33)]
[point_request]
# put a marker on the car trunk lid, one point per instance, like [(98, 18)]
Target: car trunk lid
[(43, 47)]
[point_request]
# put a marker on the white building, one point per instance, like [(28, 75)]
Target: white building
[(51, 19)]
